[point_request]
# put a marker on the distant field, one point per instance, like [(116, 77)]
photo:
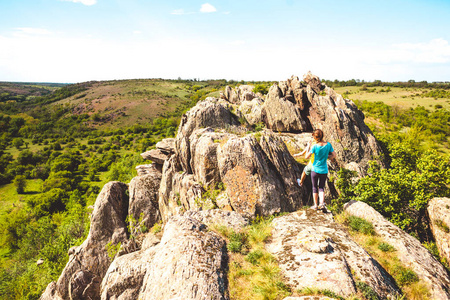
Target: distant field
[(123, 103), (401, 97)]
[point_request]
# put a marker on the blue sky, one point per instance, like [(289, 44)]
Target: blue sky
[(82, 40)]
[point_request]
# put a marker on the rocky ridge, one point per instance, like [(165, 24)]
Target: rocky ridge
[(220, 170)]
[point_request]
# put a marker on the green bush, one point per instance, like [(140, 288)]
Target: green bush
[(253, 257), (404, 276), (385, 247), (360, 225), (237, 242), (366, 290)]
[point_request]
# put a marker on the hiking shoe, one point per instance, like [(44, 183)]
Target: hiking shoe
[(314, 207)]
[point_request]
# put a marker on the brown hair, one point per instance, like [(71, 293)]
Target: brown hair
[(318, 135)]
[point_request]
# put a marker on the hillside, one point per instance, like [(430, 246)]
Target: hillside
[(58, 149)]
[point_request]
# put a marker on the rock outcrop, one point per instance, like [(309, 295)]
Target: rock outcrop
[(439, 213), (314, 251), (143, 191), (88, 263), (189, 263), (223, 168), (408, 250)]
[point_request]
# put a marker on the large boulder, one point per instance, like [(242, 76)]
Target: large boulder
[(439, 213), (408, 250), (88, 263), (314, 251), (143, 191), (292, 106), (190, 262), (281, 113), (208, 113)]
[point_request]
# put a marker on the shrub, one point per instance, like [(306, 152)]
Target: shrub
[(238, 241), (404, 276), (254, 256), (360, 225), (385, 247), (366, 290), (20, 182)]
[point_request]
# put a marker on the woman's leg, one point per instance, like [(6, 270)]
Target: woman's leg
[(322, 180), (315, 188)]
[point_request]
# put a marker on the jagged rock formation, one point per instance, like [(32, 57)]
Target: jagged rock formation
[(220, 170), (408, 250), (439, 213), (314, 251), (188, 263), (143, 201), (89, 262)]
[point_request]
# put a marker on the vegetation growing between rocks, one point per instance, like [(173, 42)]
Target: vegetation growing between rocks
[(385, 254), (254, 272)]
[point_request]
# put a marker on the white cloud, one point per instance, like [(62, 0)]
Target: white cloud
[(207, 8), (30, 31), (85, 2), (181, 12)]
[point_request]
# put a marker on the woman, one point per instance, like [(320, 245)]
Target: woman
[(322, 151)]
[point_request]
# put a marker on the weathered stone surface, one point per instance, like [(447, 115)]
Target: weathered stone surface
[(208, 113), (286, 168), (166, 145), (192, 263), (178, 191), (126, 273), (314, 251), (239, 94), (203, 163), (314, 82), (51, 292), (439, 213), (210, 217), (252, 110), (155, 155), (251, 181), (143, 191), (281, 114), (89, 262), (408, 250), (146, 169)]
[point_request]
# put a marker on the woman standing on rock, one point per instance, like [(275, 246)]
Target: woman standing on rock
[(322, 151)]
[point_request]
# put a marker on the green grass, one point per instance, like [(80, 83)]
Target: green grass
[(10, 198), (401, 97)]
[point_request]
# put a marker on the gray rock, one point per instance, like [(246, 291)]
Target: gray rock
[(314, 251), (51, 292), (282, 115), (88, 263), (210, 217), (143, 192), (189, 263), (146, 169), (166, 145), (156, 155), (252, 110), (208, 113), (439, 213), (408, 250)]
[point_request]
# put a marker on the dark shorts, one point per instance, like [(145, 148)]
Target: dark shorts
[(318, 181)]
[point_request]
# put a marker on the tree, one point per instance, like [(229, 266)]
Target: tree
[(20, 182), (18, 142), (402, 192)]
